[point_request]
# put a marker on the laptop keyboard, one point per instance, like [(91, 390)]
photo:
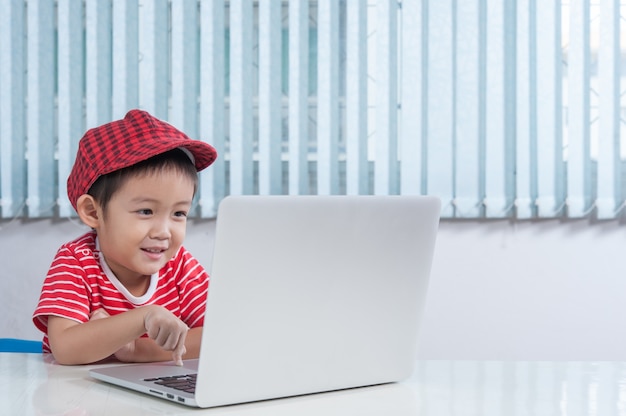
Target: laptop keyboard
[(186, 383)]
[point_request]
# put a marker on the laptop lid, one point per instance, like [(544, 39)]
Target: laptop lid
[(314, 293), (308, 294)]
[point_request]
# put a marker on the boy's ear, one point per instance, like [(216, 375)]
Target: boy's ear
[(87, 209)]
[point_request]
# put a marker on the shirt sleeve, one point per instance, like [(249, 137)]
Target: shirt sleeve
[(193, 289), (65, 292)]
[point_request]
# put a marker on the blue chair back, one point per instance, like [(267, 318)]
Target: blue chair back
[(20, 345)]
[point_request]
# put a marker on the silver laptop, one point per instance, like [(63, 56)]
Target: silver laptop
[(308, 294)]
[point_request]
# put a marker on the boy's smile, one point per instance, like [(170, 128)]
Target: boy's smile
[(144, 226)]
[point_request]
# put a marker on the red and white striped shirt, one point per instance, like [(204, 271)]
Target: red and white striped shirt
[(78, 283)]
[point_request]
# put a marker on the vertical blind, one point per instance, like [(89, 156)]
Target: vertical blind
[(503, 108)]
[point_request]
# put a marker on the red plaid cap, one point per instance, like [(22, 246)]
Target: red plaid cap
[(123, 143)]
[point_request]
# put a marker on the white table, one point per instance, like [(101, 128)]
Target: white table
[(31, 384)]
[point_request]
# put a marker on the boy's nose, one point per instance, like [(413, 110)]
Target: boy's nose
[(160, 230)]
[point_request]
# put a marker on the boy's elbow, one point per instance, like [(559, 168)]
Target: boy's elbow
[(61, 360), (65, 354), (61, 356)]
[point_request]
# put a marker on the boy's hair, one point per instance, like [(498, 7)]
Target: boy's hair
[(175, 160)]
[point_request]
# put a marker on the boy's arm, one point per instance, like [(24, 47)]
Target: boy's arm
[(83, 343)]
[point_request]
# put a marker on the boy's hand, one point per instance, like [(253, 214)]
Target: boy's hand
[(98, 314), (167, 331)]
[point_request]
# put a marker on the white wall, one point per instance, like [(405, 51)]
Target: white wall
[(529, 290), (499, 290)]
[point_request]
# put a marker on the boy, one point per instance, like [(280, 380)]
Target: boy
[(128, 287)]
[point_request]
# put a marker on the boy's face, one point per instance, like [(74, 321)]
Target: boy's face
[(145, 224)]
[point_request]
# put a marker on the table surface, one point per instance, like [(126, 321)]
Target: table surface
[(32, 384)]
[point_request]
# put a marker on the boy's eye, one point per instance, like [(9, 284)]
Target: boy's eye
[(180, 214), (144, 212)]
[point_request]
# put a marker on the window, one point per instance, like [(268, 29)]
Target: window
[(504, 109)]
